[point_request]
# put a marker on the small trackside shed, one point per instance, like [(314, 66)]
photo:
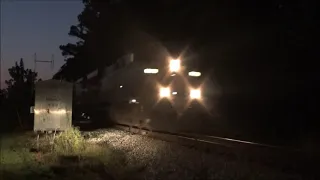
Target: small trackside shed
[(53, 105)]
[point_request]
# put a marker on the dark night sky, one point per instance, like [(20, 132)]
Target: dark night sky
[(36, 26)]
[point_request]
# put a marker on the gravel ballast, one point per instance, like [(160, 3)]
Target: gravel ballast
[(157, 159)]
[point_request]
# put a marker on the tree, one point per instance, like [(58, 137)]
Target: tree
[(3, 94), (3, 110), (104, 32), (80, 57), (20, 94)]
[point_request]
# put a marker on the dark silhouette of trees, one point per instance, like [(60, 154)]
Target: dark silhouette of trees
[(98, 33), (220, 31), (75, 53), (3, 94), (18, 97)]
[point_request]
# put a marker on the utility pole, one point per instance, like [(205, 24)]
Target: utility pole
[(41, 61)]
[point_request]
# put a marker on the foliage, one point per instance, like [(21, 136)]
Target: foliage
[(101, 24), (3, 94), (78, 54), (18, 162), (105, 33), (18, 96), (69, 142), (20, 76), (12, 156), (201, 25)]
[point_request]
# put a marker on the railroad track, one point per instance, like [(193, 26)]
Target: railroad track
[(268, 155), (197, 139)]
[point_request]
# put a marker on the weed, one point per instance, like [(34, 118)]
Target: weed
[(69, 142)]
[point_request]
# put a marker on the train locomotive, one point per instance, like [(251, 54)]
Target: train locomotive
[(173, 97)]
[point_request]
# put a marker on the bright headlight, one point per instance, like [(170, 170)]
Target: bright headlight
[(194, 74), (164, 92), (175, 65), (195, 94), (150, 71)]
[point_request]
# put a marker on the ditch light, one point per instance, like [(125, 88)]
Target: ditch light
[(195, 94), (194, 74), (164, 92), (175, 65), (150, 71)]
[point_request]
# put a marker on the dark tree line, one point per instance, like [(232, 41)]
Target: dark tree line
[(262, 52), (17, 98)]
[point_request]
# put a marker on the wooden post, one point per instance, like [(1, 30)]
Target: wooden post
[(130, 125), (52, 142), (140, 126), (38, 135)]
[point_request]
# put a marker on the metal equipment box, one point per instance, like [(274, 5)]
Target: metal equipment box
[(53, 105)]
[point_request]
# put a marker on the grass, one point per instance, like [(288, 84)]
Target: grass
[(69, 157), (75, 158)]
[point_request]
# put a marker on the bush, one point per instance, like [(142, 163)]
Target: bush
[(69, 142)]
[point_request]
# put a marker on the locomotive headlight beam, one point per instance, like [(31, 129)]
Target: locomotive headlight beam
[(150, 71), (194, 73), (164, 92), (59, 111), (175, 65), (195, 94)]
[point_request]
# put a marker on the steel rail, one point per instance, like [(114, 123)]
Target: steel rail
[(227, 142)]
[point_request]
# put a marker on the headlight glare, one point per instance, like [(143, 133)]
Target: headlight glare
[(150, 71), (175, 65), (164, 92), (195, 94), (194, 73)]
